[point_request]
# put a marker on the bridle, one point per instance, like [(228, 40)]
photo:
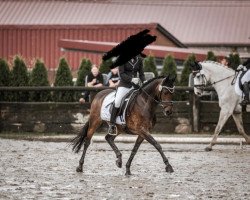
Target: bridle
[(204, 80), (161, 102)]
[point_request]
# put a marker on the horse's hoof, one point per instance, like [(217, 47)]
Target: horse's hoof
[(208, 149), (119, 163), (169, 169), (79, 169), (128, 173)]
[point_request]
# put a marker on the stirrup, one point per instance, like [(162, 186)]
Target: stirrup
[(112, 129)]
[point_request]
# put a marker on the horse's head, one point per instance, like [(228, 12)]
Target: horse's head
[(200, 79), (165, 94)]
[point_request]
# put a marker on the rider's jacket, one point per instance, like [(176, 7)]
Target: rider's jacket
[(129, 70)]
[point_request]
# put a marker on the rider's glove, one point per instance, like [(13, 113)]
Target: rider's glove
[(240, 68), (135, 86)]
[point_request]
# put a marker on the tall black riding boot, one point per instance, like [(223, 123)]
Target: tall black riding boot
[(112, 127), (246, 93)]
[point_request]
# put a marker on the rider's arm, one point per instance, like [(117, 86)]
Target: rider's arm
[(141, 71), (124, 76)]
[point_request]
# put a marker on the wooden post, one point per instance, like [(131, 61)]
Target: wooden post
[(196, 112)]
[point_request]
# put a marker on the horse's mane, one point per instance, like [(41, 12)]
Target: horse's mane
[(151, 80), (217, 63)]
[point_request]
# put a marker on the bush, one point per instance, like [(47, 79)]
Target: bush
[(186, 70), (211, 56), (63, 78), (84, 70), (39, 77), (5, 79), (149, 65), (185, 76), (19, 77), (234, 60), (105, 66), (169, 66)]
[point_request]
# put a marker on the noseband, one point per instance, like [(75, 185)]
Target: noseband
[(203, 80), (161, 102)]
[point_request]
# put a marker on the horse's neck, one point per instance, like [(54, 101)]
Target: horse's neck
[(150, 94), (219, 76)]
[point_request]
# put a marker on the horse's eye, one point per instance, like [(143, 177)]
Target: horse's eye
[(165, 92)]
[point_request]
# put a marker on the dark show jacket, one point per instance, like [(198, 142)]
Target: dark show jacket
[(129, 70)]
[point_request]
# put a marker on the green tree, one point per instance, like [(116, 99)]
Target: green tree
[(186, 70), (5, 79), (84, 70), (63, 78), (105, 66), (234, 60), (149, 65), (39, 77), (211, 56), (169, 66), (19, 78)]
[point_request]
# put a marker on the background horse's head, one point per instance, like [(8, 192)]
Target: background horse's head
[(200, 79), (165, 94)]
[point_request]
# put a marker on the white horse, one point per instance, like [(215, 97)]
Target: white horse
[(220, 77)]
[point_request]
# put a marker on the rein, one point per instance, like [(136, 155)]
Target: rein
[(220, 80), (171, 90), (209, 84)]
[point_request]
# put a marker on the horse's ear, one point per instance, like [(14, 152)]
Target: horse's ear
[(173, 78), (192, 65), (166, 78)]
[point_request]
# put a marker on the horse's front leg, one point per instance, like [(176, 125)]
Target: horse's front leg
[(224, 115), (134, 150), (110, 139), (152, 141), (239, 123)]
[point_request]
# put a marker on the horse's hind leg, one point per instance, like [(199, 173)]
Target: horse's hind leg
[(81, 161), (239, 123), (224, 115), (152, 141), (93, 125), (134, 150), (110, 139)]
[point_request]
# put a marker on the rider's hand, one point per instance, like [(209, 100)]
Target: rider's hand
[(135, 86), (240, 68)]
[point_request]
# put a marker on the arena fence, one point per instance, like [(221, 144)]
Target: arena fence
[(192, 115)]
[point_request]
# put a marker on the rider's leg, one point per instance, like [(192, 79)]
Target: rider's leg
[(120, 93), (112, 127), (246, 93)]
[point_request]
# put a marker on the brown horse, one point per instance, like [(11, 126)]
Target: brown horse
[(140, 119)]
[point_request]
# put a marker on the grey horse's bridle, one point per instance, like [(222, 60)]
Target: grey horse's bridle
[(203, 80)]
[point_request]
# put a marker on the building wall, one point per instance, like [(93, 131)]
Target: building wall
[(42, 41)]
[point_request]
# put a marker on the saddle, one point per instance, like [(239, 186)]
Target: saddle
[(108, 104), (240, 77), (128, 98)]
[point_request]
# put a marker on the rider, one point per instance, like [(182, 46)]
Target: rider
[(245, 80), (127, 72)]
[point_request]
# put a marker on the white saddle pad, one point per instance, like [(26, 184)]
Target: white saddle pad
[(105, 114)]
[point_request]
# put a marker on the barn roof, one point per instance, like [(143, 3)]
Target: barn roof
[(220, 22), (155, 50)]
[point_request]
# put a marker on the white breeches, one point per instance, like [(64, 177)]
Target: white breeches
[(120, 93)]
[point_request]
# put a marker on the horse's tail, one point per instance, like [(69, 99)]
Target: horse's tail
[(78, 141)]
